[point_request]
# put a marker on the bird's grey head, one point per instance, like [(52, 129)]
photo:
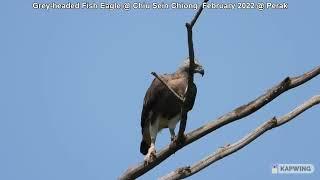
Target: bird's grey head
[(197, 69)]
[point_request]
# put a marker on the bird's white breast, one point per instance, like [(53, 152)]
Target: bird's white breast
[(170, 123)]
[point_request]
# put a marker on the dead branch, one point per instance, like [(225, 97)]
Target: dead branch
[(238, 113), (187, 171), (184, 100)]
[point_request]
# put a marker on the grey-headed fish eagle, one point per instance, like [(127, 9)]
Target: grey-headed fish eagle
[(161, 108)]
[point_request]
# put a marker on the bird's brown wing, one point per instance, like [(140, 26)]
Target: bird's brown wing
[(160, 101), (151, 99)]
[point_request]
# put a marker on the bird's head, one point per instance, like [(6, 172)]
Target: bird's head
[(197, 69)]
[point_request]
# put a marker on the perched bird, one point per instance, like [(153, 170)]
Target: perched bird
[(161, 108)]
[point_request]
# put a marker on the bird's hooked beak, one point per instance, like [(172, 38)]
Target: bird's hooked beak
[(200, 70)]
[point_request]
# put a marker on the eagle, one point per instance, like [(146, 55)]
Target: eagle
[(161, 108)]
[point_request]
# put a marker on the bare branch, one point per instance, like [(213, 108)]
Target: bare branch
[(238, 113), (197, 15), (184, 109), (229, 149), (181, 99)]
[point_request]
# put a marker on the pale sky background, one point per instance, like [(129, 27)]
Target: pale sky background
[(73, 82)]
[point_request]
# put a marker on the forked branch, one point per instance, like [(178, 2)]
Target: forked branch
[(184, 100), (184, 111)]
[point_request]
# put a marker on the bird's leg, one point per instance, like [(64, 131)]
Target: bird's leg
[(172, 125), (172, 133), (153, 129), (151, 154)]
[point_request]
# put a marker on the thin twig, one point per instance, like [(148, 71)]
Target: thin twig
[(181, 99), (238, 113), (184, 172), (197, 15)]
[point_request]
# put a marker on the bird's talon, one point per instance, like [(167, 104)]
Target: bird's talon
[(179, 141), (151, 156)]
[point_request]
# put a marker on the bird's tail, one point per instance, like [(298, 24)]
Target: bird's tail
[(144, 147)]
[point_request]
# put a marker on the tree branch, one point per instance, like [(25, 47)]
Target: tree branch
[(197, 15), (184, 109), (229, 149), (238, 113), (183, 101)]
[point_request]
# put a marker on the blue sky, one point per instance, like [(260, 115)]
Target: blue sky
[(73, 82)]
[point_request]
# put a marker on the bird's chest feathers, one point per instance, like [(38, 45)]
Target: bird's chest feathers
[(168, 122)]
